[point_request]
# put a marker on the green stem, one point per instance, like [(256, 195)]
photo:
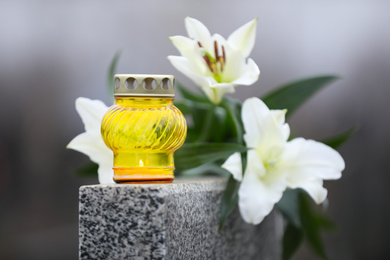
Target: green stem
[(207, 124), (239, 130), (237, 125)]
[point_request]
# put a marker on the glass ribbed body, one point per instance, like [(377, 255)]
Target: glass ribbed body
[(143, 133)]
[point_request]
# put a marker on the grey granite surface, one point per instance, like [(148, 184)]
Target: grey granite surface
[(169, 221)]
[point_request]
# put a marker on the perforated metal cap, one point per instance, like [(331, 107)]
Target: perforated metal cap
[(144, 85)]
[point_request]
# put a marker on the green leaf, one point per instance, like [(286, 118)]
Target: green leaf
[(292, 239), (111, 71), (209, 123), (183, 105), (324, 222), (195, 154), (91, 169), (337, 140), (311, 226), (221, 132), (229, 200), (198, 97), (292, 95), (197, 112), (289, 206), (303, 221), (243, 162)]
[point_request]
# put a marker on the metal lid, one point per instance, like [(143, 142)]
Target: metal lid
[(142, 85)]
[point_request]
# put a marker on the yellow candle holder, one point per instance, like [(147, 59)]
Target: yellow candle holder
[(143, 128)]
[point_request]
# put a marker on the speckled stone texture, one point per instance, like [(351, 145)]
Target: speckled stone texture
[(169, 221)]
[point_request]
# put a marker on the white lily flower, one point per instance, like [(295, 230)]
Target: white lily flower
[(91, 142), (275, 164), (213, 63)]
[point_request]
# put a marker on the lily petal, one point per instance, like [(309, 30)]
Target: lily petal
[(182, 43), (97, 152), (190, 50), (94, 148), (105, 171), (251, 74), (243, 38), (91, 142), (218, 90), (309, 162), (257, 196), (216, 93), (183, 65), (199, 32), (235, 67), (315, 189), (263, 130), (253, 113), (255, 163), (234, 166), (280, 116), (91, 113), (228, 86)]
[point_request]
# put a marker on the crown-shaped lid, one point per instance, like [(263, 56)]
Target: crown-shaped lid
[(142, 85)]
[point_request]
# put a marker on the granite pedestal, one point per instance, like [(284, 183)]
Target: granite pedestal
[(169, 221)]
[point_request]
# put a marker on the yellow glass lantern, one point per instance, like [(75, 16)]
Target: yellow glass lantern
[(143, 128)]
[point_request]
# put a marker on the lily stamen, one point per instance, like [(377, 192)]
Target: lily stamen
[(214, 68), (216, 50), (223, 54), (216, 65), (208, 62), (222, 60)]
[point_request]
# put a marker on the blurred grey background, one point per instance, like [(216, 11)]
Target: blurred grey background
[(52, 52)]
